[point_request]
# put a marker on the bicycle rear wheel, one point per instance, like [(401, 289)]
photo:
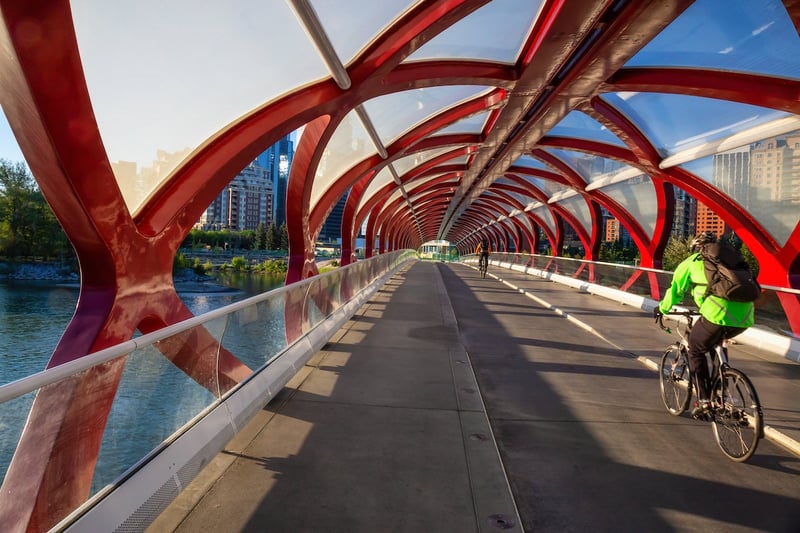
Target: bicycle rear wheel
[(676, 382), (738, 420)]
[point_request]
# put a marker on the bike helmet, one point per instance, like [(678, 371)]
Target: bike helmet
[(706, 237)]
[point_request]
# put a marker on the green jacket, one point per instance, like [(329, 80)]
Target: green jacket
[(715, 309)]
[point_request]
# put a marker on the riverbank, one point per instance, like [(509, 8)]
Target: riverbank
[(186, 280)]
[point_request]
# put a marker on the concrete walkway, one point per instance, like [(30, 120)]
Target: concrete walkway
[(385, 429)]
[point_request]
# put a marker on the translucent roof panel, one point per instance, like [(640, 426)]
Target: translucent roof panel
[(145, 115), (479, 35), (349, 39), (531, 162), (383, 178), (405, 164), (576, 205), (762, 178), (546, 216), (579, 125), (395, 114), (349, 145), (590, 167), (748, 36), (638, 197), (675, 123), (549, 187), (472, 124)]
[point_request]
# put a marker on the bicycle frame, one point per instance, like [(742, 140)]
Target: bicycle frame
[(735, 412), (718, 361)]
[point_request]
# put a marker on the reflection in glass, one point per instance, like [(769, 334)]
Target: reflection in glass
[(755, 36), (397, 113), (638, 198), (476, 36), (763, 177), (579, 125), (674, 122), (349, 145)]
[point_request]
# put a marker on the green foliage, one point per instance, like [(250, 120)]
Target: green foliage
[(284, 237), (239, 263), (615, 252), (273, 237), (28, 227), (750, 259), (272, 266), (261, 237), (677, 249)]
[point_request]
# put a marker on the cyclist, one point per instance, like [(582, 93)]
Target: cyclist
[(719, 318), (483, 250)]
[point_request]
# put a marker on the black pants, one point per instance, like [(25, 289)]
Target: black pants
[(484, 260), (702, 339)]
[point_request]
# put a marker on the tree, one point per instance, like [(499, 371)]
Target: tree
[(28, 226), (284, 237), (273, 237), (677, 249), (261, 237)]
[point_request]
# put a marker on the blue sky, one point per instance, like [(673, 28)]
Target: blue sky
[(9, 149)]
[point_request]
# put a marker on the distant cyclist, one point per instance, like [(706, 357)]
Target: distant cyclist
[(720, 318), (483, 250)]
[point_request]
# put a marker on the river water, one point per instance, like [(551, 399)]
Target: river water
[(33, 316)]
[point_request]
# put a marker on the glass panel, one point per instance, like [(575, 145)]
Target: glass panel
[(477, 36), (577, 206), (674, 122), (638, 197), (531, 162), (349, 39), (30, 306), (472, 124), (546, 216), (349, 145), (395, 114), (383, 178), (155, 399), (764, 178), (404, 164), (579, 125), (13, 415), (754, 36), (591, 167), (151, 121), (549, 187)]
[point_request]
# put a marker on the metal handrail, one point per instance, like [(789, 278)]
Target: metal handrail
[(52, 375)]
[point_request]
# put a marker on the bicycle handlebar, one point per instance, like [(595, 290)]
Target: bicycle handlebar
[(689, 314)]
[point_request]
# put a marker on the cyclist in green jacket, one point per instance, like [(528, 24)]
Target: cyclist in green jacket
[(720, 319)]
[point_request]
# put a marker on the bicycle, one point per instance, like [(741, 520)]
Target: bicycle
[(483, 264), (738, 421)]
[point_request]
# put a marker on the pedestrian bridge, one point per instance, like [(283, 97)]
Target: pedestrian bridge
[(438, 397)]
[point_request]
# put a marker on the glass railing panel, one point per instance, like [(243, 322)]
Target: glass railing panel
[(13, 415), (154, 400), (257, 332), (769, 312)]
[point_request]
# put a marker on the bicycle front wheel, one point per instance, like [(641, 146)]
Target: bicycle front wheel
[(676, 382), (738, 420)]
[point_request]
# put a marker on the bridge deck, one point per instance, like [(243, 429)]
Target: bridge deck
[(384, 430)]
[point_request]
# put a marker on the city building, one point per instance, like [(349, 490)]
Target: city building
[(332, 228), (277, 160), (684, 219), (246, 202)]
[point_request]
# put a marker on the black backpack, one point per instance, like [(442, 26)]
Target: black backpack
[(728, 274)]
